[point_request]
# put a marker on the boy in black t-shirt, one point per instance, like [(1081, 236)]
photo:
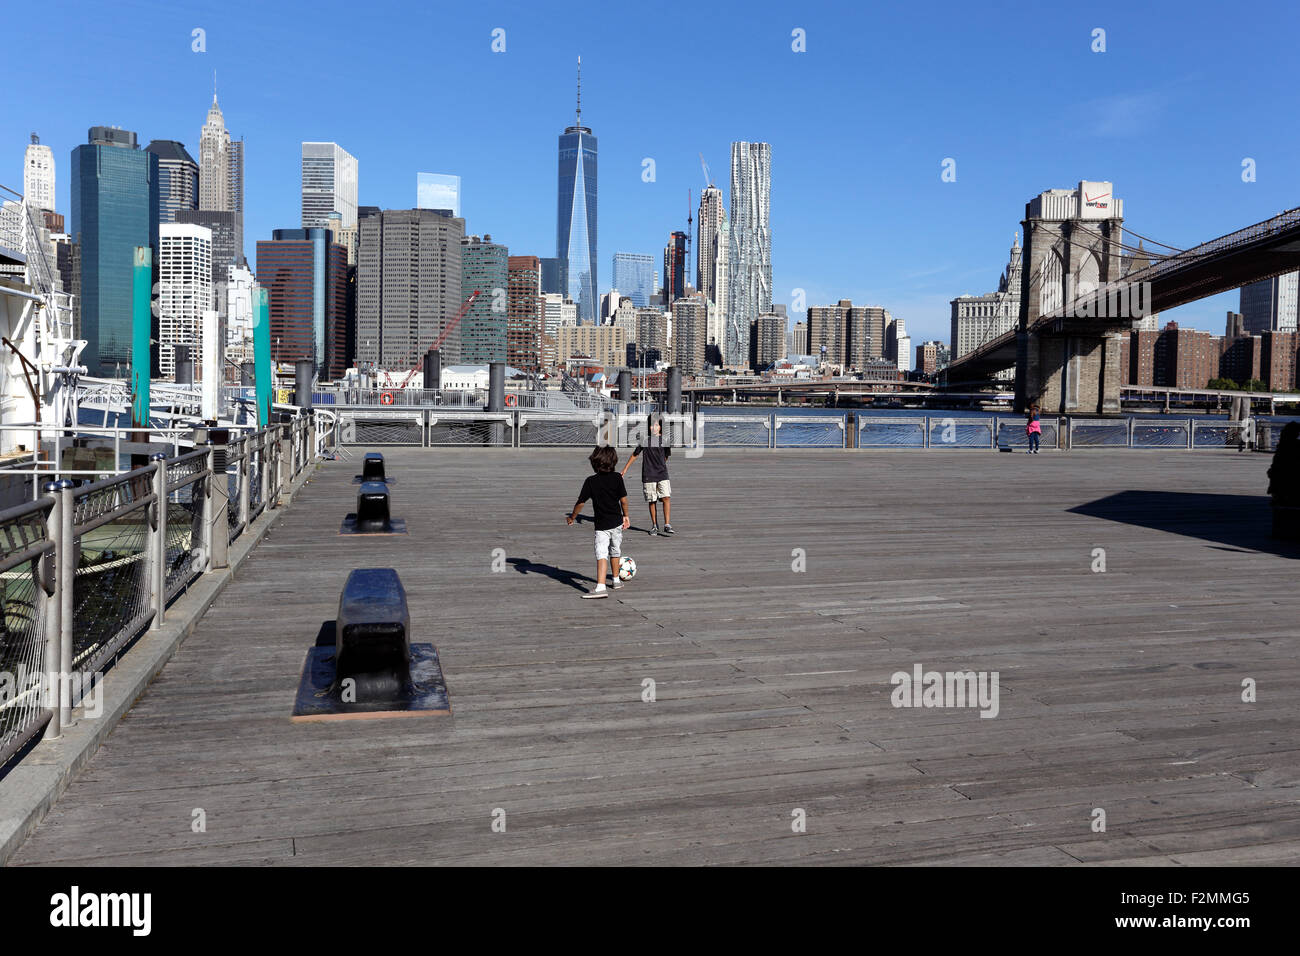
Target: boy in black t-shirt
[(608, 498), (654, 476)]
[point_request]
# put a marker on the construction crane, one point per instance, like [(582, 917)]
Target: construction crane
[(708, 179), (455, 321)]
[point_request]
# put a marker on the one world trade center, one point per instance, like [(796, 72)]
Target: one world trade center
[(575, 231)]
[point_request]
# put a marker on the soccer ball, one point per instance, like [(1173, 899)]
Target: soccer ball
[(626, 569)]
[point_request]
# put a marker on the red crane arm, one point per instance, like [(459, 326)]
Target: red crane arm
[(455, 321)]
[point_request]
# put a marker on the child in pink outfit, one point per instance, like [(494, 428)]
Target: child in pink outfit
[(1034, 432)]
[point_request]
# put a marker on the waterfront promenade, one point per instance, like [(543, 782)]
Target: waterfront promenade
[(1118, 690)]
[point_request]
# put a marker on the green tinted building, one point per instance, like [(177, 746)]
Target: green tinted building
[(485, 266), (115, 204)]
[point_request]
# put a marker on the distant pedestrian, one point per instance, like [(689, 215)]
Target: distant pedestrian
[(1033, 431), (608, 496), (654, 476)]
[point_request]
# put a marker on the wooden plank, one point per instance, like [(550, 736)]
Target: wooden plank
[(1120, 690)]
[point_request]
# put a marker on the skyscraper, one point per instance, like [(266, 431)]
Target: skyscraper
[(524, 313), (184, 291), (555, 279), (634, 277), (1271, 305), (214, 161), (485, 266), (690, 331), (235, 193), (38, 175), (114, 209), (221, 178), (225, 251), (675, 268), (575, 232), (178, 179), (408, 287), (329, 184), (710, 222), (305, 275), (767, 341), (749, 285), (977, 319), (436, 191)]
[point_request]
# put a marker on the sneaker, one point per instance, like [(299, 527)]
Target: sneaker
[(668, 529), (595, 593), (616, 585), (654, 529)]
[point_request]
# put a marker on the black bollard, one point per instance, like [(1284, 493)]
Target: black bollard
[(372, 636), (372, 467), (372, 508)]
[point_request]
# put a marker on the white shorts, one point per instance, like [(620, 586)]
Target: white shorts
[(609, 544), (654, 490)]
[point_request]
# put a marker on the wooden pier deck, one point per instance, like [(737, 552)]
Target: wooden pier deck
[(1119, 690)]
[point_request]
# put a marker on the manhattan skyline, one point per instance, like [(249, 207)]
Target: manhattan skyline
[(858, 206)]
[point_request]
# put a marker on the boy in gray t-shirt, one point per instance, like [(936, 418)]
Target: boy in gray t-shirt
[(654, 476)]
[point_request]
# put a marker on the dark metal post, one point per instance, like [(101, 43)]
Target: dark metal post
[(302, 370), (432, 370), (496, 399), (674, 387), (496, 387), (184, 365)]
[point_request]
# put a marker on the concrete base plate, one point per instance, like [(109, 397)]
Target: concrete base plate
[(318, 698)]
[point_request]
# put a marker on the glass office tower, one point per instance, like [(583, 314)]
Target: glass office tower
[(114, 209), (485, 266), (575, 240), (634, 277)]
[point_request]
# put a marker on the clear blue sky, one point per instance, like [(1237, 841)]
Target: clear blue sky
[(859, 124)]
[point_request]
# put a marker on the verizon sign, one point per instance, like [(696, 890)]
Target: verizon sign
[(1096, 201)]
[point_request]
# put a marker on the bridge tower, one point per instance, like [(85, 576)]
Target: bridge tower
[(1072, 241)]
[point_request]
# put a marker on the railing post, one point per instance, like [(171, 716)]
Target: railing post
[(157, 542), (1131, 421), (207, 514), (264, 477), (1190, 426), (245, 482), (68, 554), (216, 506), (51, 572)]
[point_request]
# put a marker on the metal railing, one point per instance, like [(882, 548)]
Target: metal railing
[(448, 427), (25, 576), (85, 570)]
